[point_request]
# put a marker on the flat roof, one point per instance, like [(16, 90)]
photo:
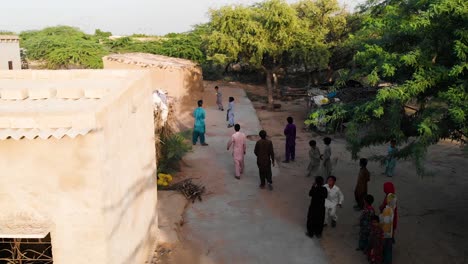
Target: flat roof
[(9, 37), (146, 60), (57, 103)]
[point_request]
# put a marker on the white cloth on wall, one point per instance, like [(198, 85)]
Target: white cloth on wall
[(161, 104)]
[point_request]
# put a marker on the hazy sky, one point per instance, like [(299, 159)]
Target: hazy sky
[(118, 16)]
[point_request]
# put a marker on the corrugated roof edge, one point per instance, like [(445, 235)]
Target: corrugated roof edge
[(35, 133), (10, 37)]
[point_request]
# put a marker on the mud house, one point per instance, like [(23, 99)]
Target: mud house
[(10, 58), (180, 78), (77, 161)]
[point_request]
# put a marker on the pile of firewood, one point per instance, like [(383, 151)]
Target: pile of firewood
[(190, 190)]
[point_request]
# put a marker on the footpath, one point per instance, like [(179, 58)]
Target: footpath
[(236, 223)]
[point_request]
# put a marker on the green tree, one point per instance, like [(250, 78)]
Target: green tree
[(63, 47), (102, 35), (259, 35), (178, 45), (322, 23), (421, 48)]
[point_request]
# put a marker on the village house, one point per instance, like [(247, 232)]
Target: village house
[(78, 163), (10, 58), (180, 78)]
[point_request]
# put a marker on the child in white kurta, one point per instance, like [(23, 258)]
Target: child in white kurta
[(334, 199)]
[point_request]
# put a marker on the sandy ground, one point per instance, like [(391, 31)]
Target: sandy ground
[(432, 209)]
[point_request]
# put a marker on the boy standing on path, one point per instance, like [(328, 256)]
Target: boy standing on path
[(360, 191), (230, 112), (326, 157), (265, 159), (219, 99), (314, 157), (290, 133), (239, 147), (316, 213), (199, 125), (334, 199)]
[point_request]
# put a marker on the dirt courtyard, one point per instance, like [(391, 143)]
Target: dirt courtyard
[(432, 209)]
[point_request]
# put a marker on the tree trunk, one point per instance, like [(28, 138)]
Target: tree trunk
[(275, 84), (329, 74), (269, 77), (309, 76)]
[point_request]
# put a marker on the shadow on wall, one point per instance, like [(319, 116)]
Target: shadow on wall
[(132, 194), (193, 91), (144, 241), (126, 202)]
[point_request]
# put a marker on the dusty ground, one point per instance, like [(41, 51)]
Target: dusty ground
[(432, 209)]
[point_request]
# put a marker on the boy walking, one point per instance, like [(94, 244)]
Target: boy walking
[(326, 157), (334, 199), (360, 191), (265, 159), (239, 147), (290, 133), (219, 99), (314, 156), (230, 112), (316, 213), (199, 124)]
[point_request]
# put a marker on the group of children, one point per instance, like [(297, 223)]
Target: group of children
[(325, 198), (376, 231), (376, 234)]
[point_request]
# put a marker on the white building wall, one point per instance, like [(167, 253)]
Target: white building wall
[(10, 51)]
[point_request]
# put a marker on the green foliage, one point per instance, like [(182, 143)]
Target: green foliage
[(6, 32), (102, 35), (63, 47), (420, 47), (174, 147), (317, 19), (186, 46), (68, 47), (258, 35)]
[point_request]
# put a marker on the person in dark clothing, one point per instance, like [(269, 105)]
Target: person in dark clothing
[(290, 133), (265, 159), (316, 213), (360, 191)]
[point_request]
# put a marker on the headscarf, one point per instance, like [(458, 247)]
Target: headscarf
[(389, 188), (391, 200)]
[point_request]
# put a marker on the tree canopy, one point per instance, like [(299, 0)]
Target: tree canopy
[(420, 48), (274, 34), (258, 35), (63, 47), (67, 47)]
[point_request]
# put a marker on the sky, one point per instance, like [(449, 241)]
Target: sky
[(121, 17)]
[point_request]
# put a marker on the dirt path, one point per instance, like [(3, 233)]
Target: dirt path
[(238, 223)]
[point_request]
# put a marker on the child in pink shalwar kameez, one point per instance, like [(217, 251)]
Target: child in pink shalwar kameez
[(238, 141)]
